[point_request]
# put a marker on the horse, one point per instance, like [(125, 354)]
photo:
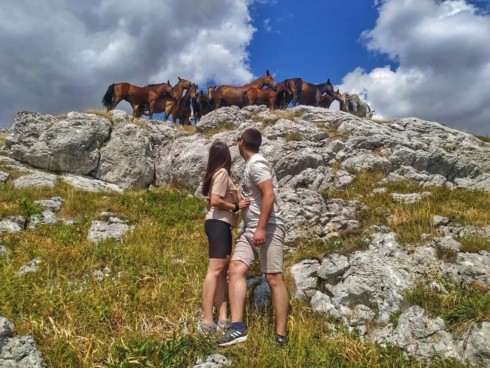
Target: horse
[(354, 105), (165, 102), (182, 109), (311, 94), (266, 96), (327, 99), (177, 93), (288, 91), (232, 95), (203, 105), (135, 95)]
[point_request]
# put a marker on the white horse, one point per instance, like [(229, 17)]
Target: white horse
[(354, 105)]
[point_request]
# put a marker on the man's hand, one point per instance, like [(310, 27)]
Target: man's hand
[(259, 237)]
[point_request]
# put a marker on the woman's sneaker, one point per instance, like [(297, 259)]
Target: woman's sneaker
[(223, 325), (207, 330), (233, 336)]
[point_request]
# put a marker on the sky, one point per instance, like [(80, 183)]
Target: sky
[(407, 58)]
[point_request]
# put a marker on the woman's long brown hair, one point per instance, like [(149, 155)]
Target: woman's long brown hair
[(219, 157)]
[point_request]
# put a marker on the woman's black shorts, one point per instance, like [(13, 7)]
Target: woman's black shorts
[(219, 238)]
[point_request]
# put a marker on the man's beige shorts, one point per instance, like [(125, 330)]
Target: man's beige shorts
[(270, 253)]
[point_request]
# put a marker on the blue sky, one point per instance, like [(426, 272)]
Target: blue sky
[(408, 58), (313, 40)]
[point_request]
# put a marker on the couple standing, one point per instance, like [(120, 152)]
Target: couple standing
[(262, 236)]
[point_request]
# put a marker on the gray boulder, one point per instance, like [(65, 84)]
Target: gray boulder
[(46, 142), (19, 351), (305, 279)]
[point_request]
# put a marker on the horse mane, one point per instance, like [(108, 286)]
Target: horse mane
[(155, 85)]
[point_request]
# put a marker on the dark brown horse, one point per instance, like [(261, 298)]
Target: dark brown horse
[(231, 95), (311, 94), (288, 91), (182, 109), (203, 105), (327, 100), (135, 95)]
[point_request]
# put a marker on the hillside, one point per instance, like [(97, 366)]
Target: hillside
[(102, 250)]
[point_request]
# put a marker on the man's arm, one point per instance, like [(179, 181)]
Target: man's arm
[(268, 199)]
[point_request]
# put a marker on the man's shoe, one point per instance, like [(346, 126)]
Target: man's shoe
[(281, 341), (232, 336)]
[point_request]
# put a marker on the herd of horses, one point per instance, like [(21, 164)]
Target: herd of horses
[(171, 100)]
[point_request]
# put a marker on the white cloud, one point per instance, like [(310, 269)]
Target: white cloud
[(443, 73), (60, 56)]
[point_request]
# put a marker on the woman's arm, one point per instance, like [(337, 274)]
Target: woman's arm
[(219, 202)]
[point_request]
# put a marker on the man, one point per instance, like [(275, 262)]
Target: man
[(262, 236)]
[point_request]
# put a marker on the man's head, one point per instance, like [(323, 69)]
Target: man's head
[(251, 139)]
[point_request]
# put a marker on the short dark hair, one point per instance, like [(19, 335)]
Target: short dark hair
[(252, 139), (219, 157)]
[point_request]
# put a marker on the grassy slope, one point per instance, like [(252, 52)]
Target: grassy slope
[(145, 313)]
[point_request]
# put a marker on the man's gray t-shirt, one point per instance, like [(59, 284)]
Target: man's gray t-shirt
[(258, 170)]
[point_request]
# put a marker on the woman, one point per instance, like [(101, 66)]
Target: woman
[(223, 206)]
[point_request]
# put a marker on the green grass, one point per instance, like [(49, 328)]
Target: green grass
[(145, 312), (461, 306), (410, 221)]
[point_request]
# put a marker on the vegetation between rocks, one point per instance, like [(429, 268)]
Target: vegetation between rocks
[(145, 311)]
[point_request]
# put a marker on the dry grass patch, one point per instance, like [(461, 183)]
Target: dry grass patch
[(484, 138), (226, 126), (100, 112), (382, 121)]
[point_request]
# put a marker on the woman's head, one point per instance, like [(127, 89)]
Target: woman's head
[(219, 157)]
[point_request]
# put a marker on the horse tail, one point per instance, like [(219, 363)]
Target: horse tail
[(109, 96)]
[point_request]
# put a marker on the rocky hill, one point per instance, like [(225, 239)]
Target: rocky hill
[(317, 153)]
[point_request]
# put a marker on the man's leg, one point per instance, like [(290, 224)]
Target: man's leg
[(237, 289), (280, 301)]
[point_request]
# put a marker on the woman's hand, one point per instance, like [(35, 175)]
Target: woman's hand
[(244, 203)]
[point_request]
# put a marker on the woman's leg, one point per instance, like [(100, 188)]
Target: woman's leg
[(221, 294), (215, 284), (214, 290)]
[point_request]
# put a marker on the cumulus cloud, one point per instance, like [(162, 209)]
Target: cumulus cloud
[(443, 63), (60, 56)]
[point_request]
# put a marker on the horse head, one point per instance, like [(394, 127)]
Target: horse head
[(211, 90), (268, 80)]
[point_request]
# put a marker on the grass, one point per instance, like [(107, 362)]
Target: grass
[(461, 307), (484, 138), (293, 137), (410, 221), (3, 138), (145, 312), (222, 128)]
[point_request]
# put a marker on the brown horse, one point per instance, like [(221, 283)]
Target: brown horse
[(178, 91), (165, 102), (311, 94), (231, 95), (266, 96), (182, 109), (135, 95)]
